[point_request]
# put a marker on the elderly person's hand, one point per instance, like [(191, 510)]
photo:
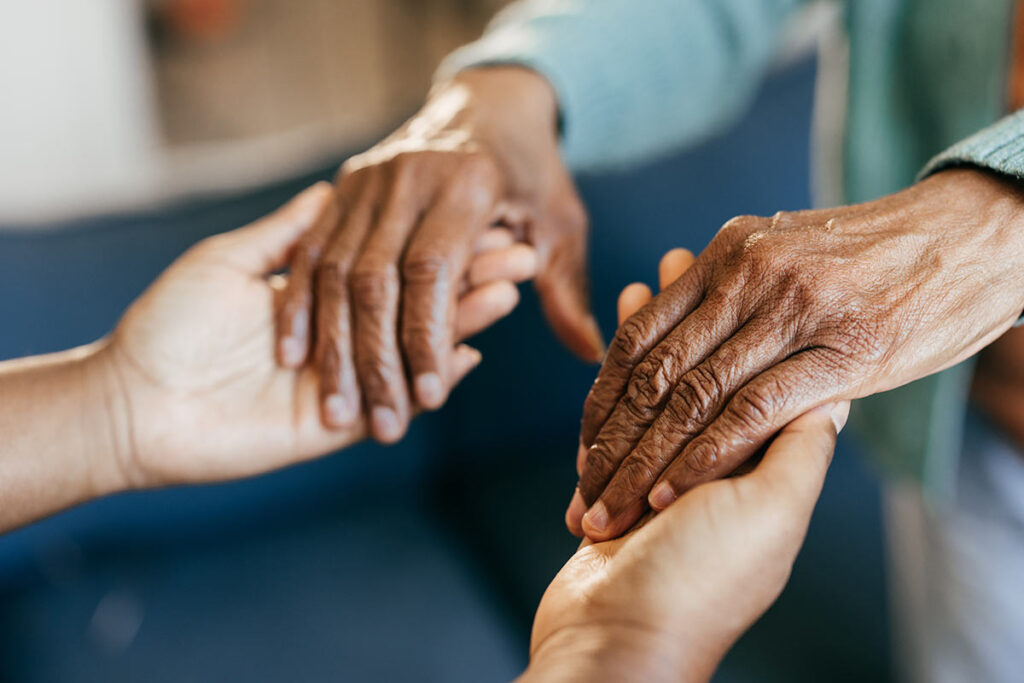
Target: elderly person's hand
[(783, 314), (199, 392), (377, 283), (667, 601)]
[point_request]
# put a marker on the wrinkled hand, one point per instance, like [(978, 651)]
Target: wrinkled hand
[(782, 314), (194, 358), (667, 601), (381, 276)]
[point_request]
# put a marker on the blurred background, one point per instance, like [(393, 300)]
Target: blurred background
[(129, 130)]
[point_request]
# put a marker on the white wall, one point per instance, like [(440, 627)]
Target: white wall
[(76, 126)]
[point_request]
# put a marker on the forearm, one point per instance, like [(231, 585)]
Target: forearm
[(61, 439), (635, 77), (624, 652)]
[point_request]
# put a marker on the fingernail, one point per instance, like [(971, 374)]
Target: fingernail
[(291, 351), (597, 517), (385, 424), (840, 413), (662, 496), (429, 390), (574, 515), (339, 409)]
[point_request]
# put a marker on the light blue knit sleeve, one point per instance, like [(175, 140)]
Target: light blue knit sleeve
[(635, 78), (1000, 147)]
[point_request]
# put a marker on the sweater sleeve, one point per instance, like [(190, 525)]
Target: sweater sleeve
[(635, 78), (1000, 148)]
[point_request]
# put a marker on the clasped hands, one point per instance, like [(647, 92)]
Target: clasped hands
[(202, 400)]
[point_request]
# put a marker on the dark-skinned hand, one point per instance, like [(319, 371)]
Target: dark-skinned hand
[(667, 600), (782, 314), (378, 284)]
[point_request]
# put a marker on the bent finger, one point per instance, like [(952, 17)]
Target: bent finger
[(484, 306), (760, 409)]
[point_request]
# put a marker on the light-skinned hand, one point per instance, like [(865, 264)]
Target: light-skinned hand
[(667, 600)]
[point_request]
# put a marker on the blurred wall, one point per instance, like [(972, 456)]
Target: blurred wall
[(121, 104)]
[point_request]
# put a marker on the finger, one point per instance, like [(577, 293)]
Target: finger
[(376, 288), (633, 340), (333, 351), (494, 238), (650, 385), (434, 263), (483, 307), (697, 399), (263, 246), (757, 411), (574, 514), (516, 263), (463, 360), (632, 298), (564, 292), (672, 265), (294, 315), (795, 464)]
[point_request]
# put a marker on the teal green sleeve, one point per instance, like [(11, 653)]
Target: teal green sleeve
[(635, 78), (915, 432), (1000, 147)]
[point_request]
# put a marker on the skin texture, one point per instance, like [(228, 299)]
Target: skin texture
[(782, 314), (666, 601), (186, 388), (374, 285)]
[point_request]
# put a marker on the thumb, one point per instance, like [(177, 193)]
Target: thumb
[(797, 460), (264, 245), (564, 291)]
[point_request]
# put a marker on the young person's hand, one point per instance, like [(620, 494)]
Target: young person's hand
[(374, 286), (666, 601), (200, 394)]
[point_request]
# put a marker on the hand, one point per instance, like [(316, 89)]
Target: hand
[(194, 357), (782, 314), (666, 601), (384, 271)]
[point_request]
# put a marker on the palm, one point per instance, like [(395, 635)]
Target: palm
[(200, 343)]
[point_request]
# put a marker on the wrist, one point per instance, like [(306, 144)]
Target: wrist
[(997, 200), (616, 652), (106, 409), (511, 110)]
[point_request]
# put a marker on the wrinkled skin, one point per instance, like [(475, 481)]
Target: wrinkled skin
[(200, 397), (378, 282), (782, 314), (666, 601)]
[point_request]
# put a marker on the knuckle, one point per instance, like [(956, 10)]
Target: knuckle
[(754, 407), (330, 276), (426, 266), (307, 254), (635, 477), (630, 340), (702, 460), (650, 383), (696, 395), (373, 286), (738, 227)]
